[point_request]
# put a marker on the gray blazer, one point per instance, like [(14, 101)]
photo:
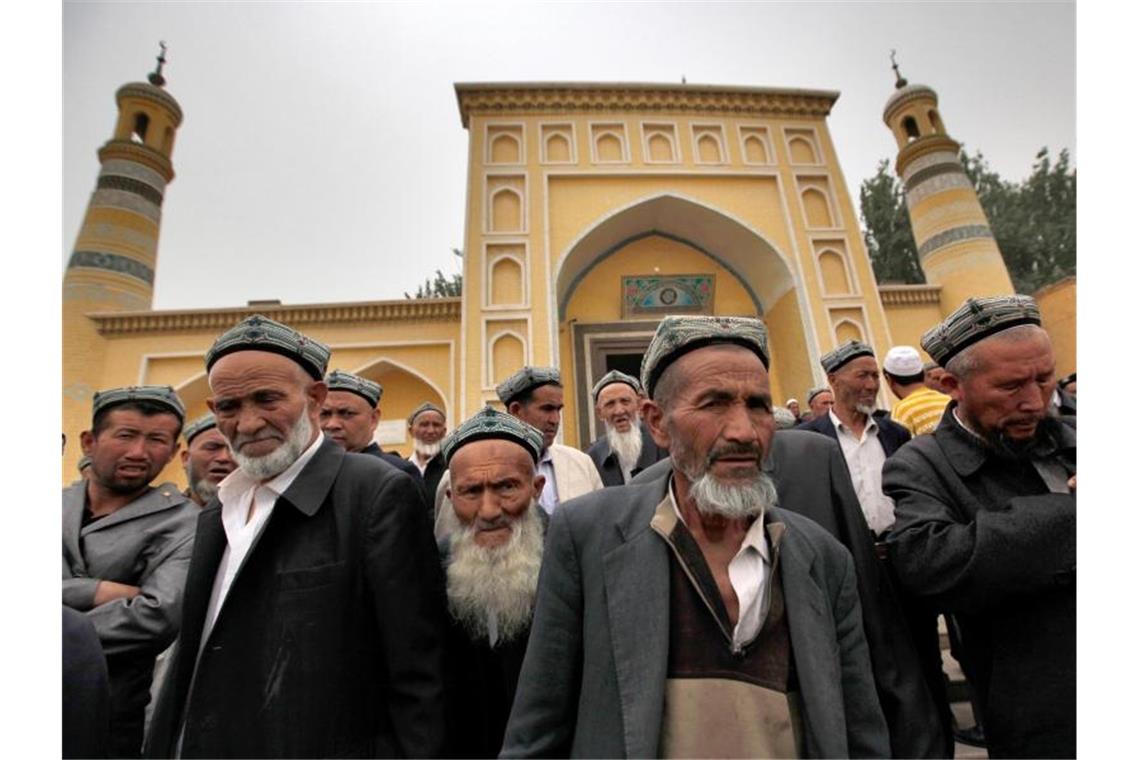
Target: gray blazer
[(146, 544), (593, 680)]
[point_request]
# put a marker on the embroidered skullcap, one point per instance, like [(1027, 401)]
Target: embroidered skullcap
[(158, 394), (677, 336), (361, 386), (259, 333), (525, 379), (852, 349), (816, 391), (976, 319), (491, 423), (200, 425), (426, 406), (903, 361), (790, 402), (84, 461), (615, 376)]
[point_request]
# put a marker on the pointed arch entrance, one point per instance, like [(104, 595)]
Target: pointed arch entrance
[(672, 242)]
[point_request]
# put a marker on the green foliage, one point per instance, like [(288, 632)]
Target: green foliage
[(441, 286), (1035, 221), (886, 229)]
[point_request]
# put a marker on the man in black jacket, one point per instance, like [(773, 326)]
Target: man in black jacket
[(627, 447), (314, 604)]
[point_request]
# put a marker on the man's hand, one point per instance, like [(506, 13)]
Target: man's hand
[(108, 591), (1073, 482)]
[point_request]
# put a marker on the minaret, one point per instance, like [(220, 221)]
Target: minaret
[(956, 248), (112, 265)]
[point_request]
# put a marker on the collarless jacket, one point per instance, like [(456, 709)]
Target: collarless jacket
[(593, 679), (329, 642), (609, 468), (983, 538)]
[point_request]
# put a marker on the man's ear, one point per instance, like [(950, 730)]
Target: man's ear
[(951, 386), (317, 394), (539, 484), (184, 456), (514, 408), (86, 441), (654, 417), (210, 404)]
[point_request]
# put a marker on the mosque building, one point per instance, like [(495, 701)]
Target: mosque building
[(593, 209)]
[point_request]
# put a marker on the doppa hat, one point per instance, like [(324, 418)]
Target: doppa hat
[(260, 333), (426, 406), (158, 394), (361, 386), (615, 376), (200, 425), (811, 394), (852, 349), (525, 379), (491, 423), (975, 320), (678, 335)]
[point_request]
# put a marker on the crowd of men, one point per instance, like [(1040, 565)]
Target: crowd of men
[(717, 575)]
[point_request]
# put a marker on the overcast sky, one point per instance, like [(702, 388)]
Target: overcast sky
[(322, 159)]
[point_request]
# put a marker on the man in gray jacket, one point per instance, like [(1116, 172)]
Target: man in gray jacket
[(126, 545), (689, 616)]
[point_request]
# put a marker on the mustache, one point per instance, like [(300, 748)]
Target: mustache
[(735, 449), (241, 440), (502, 521)]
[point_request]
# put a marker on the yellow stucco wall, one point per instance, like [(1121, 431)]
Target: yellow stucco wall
[(1058, 303)]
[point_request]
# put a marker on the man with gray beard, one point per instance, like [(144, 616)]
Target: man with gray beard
[(314, 604), (492, 565), (427, 424), (690, 616), (207, 459), (627, 447)]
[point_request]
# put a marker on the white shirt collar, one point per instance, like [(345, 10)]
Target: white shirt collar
[(239, 481), (871, 426)]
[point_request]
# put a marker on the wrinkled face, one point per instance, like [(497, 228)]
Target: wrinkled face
[(932, 378), (543, 411), (794, 407), (493, 482), (821, 404), (131, 449), (349, 420), (1009, 391), (720, 417), (259, 397), (208, 457), (856, 384), (429, 427), (617, 406)]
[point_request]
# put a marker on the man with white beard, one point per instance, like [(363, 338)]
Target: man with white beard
[(689, 616), (207, 459), (627, 447), (427, 424), (314, 609), (492, 573)]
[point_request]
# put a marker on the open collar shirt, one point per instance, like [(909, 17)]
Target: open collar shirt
[(549, 498), (865, 457)]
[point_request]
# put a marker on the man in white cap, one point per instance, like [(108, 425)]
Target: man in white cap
[(919, 408)]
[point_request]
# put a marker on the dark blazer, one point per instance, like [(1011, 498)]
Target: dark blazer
[(812, 480), (86, 691), (433, 473), (891, 434), (593, 679), (329, 642), (607, 462), (399, 463)]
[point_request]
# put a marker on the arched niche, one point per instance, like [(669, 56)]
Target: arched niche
[(817, 212), (505, 149), (557, 148), (755, 151), (661, 148), (802, 151), (506, 210), (506, 287), (609, 147), (708, 149), (508, 354), (846, 330), (833, 270)]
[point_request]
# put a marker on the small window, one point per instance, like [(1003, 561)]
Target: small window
[(911, 128), (142, 121), (936, 123)]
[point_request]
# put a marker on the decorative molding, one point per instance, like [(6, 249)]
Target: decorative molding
[(139, 153), (905, 95), (565, 97), (954, 235), (910, 295), (920, 176), (923, 146), (129, 185), (112, 262), (408, 310)]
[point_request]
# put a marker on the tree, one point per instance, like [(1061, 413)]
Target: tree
[(441, 286), (886, 229)]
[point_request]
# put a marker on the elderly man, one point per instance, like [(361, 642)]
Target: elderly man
[(918, 408), (127, 545), (534, 395), (819, 401), (932, 376), (986, 517), (350, 414), (866, 441), (627, 447), (427, 424), (689, 616), (206, 459), (793, 406), (314, 603), (492, 573)]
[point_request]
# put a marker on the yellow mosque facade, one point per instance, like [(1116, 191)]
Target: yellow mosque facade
[(592, 211)]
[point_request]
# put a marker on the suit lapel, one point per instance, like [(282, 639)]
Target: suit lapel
[(156, 499), (209, 545), (74, 502), (636, 576)]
